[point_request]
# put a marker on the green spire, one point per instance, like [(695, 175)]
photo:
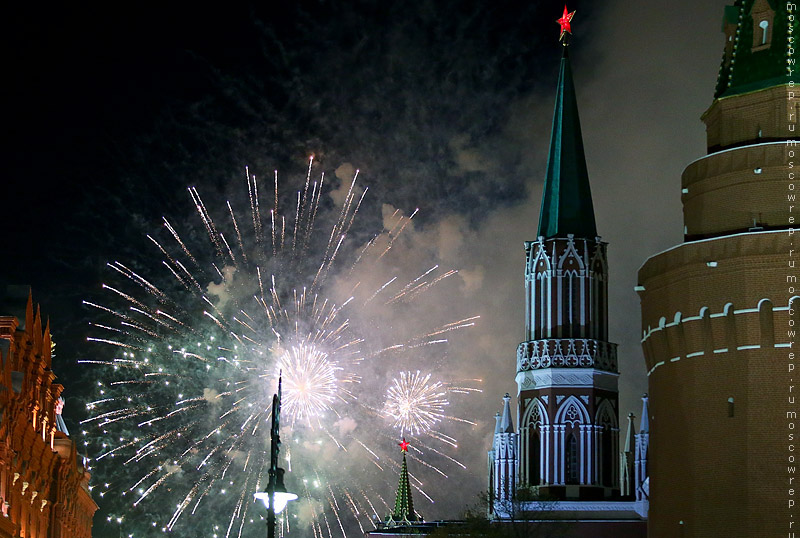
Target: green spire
[(757, 48), (404, 504), (567, 199)]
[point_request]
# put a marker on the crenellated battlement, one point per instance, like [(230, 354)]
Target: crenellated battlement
[(710, 334)]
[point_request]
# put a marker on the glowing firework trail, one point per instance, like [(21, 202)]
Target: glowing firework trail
[(193, 357), (415, 404)]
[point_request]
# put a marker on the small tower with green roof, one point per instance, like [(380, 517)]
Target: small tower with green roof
[(403, 513), (754, 94)]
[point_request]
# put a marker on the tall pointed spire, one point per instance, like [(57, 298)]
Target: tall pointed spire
[(404, 504), (506, 425), (29, 312), (630, 439), (567, 199), (627, 477), (644, 424)]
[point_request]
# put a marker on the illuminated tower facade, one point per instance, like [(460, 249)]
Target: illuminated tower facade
[(403, 514), (566, 367), (559, 473), (716, 308)]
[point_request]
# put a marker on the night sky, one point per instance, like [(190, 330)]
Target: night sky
[(112, 111)]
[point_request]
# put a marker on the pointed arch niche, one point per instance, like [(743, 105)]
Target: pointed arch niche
[(534, 429), (572, 442), (607, 429)]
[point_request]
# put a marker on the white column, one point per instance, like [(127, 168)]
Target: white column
[(546, 455), (589, 455), (562, 453), (584, 456)]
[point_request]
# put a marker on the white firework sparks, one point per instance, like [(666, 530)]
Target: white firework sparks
[(194, 354)]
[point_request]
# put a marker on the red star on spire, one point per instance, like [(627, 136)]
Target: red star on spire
[(564, 21), (404, 445)]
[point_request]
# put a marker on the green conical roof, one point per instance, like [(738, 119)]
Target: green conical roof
[(404, 504), (750, 65), (567, 199)]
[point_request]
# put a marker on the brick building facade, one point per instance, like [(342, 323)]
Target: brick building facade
[(716, 308), (43, 485)]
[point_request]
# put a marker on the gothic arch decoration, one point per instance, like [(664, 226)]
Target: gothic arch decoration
[(535, 414), (606, 415), (572, 432), (571, 253), (572, 412), (570, 302), (534, 430), (540, 301), (607, 428), (541, 262), (598, 263)]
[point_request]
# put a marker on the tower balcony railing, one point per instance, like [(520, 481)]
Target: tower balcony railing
[(567, 353)]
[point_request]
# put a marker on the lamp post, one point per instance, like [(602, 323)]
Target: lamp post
[(275, 497)]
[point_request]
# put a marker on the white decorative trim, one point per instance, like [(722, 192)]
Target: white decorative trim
[(712, 238), (734, 149), (566, 377), (581, 506)]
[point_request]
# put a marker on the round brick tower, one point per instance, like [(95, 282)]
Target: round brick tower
[(716, 308)]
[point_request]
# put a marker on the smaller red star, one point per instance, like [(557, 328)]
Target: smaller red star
[(564, 21), (404, 445)]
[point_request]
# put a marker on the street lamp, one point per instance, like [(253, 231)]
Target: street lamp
[(282, 497), (275, 496)]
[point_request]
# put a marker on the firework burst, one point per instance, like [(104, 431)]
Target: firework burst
[(415, 404), (193, 354), (311, 387)]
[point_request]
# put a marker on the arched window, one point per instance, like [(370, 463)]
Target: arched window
[(533, 422), (534, 456), (764, 25), (572, 460), (572, 321), (544, 307)]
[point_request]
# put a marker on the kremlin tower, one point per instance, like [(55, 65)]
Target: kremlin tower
[(719, 310), (566, 452)]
